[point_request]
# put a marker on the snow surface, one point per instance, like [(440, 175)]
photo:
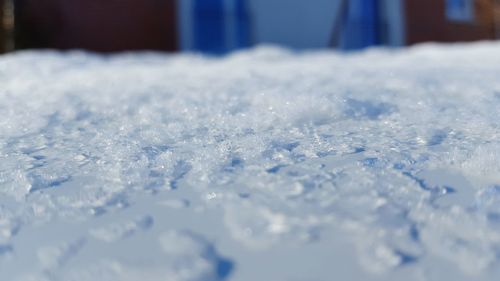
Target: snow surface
[(263, 165)]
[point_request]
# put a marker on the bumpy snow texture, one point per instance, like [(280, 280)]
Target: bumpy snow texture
[(263, 165)]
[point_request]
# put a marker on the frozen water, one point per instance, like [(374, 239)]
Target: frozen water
[(263, 165)]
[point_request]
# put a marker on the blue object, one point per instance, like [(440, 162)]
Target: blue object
[(362, 24), (242, 24), (460, 10), (209, 33), (210, 26)]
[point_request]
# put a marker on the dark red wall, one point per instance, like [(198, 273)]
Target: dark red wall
[(426, 21), (97, 25), (496, 19), (2, 42)]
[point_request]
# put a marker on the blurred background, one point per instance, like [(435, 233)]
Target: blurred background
[(221, 26)]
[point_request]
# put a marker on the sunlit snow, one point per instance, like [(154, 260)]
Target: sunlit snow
[(267, 164)]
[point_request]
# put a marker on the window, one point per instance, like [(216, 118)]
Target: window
[(460, 10)]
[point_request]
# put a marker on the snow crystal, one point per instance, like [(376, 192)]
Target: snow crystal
[(266, 164)]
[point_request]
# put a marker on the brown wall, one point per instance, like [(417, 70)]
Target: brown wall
[(2, 42), (105, 26), (496, 13), (426, 21)]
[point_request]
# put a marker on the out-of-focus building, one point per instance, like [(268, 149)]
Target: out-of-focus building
[(451, 20), (220, 26), (6, 25), (497, 18), (105, 26), (2, 35)]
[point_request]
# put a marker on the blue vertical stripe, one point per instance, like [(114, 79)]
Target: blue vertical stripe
[(242, 24), (362, 25), (208, 27), (370, 22)]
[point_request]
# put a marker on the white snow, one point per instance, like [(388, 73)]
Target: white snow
[(263, 165)]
